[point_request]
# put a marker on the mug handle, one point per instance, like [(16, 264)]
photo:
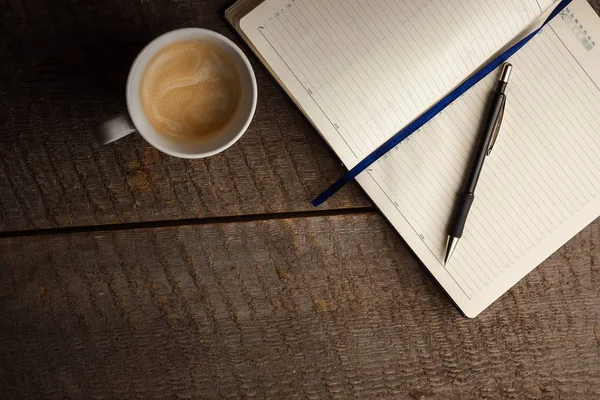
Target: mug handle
[(115, 128)]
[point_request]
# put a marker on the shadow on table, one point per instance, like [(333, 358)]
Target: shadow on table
[(67, 52)]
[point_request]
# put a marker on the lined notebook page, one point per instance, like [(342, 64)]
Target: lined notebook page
[(540, 185), (367, 69)]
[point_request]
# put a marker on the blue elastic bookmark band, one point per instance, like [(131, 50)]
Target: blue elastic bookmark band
[(432, 112)]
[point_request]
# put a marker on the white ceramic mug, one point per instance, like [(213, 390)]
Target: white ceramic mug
[(136, 120)]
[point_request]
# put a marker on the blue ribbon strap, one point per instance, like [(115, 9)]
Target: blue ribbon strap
[(432, 112)]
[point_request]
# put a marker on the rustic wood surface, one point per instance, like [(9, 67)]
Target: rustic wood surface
[(321, 307), (64, 67), (125, 273)]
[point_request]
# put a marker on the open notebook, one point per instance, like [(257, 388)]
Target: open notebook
[(360, 71)]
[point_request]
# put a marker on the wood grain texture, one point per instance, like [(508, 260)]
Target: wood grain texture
[(321, 307), (64, 66)]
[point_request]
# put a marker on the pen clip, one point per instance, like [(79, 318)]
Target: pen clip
[(497, 125)]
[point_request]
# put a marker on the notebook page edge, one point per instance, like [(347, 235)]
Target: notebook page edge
[(239, 9)]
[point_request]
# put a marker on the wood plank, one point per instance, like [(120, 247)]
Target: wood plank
[(321, 307), (63, 71), (65, 66)]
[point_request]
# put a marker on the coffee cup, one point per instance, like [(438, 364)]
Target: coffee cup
[(137, 118)]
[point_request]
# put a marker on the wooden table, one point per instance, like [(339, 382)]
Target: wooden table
[(125, 273)]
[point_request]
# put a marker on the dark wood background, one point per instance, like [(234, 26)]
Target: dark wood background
[(125, 273)]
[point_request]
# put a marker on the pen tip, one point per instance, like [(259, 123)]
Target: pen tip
[(450, 246)]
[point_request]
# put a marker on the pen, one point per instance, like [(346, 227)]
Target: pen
[(483, 149)]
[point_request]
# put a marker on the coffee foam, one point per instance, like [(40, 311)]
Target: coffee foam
[(190, 90)]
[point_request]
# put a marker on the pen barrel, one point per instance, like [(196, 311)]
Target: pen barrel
[(461, 212), (501, 87), (485, 138), (467, 195)]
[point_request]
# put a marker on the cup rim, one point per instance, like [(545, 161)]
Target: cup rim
[(136, 66)]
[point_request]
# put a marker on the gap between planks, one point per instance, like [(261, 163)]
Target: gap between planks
[(187, 221)]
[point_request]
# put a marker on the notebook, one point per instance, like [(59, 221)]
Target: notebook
[(360, 71)]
